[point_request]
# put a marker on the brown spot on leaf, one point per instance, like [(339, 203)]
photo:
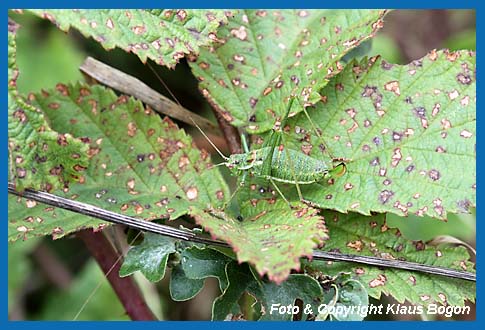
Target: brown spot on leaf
[(466, 134), (139, 29), (393, 86), (21, 172), (132, 129), (434, 175), (420, 112), (192, 193), (420, 246), (130, 184), (433, 55), (453, 94), (379, 281), (348, 186), (240, 33), (356, 245), (464, 79), (56, 232), (306, 149), (385, 196), (183, 161), (396, 157)]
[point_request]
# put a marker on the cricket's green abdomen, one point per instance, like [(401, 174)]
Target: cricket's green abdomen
[(306, 170), (290, 166)]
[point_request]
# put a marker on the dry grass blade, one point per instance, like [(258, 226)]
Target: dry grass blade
[(130, 85)]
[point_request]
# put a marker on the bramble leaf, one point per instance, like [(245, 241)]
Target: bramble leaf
[(149, 257), (181, 287), (345, 299), (195, 266), (404, 132), (271, 236), (356, 234), (164, 36), (140, 165), (297, 286), (202, 263), (241, 279), (39, 157), (267, 55)]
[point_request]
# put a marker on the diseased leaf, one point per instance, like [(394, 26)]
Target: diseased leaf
[(140, 165), (271, 236), (267, 55), (404, 132), (39, 157), (164, 36), (356, 234), (150, 257)]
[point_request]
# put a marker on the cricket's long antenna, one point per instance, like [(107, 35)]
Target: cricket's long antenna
[(208, 140), (195, 124)]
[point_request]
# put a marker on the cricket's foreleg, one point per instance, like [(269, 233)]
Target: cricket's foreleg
[(317, 132), (239, 186)]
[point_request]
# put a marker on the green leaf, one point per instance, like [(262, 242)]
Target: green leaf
[(183, 288), (352, 298), (195, 266), (140, 165), (267, 55), (164, 36), (240, 279), (39, 157), (355, 234), (271, 236), (297, 286), (150, 257), (202, 263), (404, 132), (345, 299), (38, 60)]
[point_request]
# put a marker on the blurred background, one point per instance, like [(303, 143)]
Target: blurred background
[(51, 280)]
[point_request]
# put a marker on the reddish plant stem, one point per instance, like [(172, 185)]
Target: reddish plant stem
[(125, 288), (230, 134), (53, 268)]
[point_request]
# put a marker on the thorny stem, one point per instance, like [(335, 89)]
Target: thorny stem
[(99, 213), (125, 288)]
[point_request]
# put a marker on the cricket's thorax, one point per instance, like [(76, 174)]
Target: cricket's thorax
[(287, 165)]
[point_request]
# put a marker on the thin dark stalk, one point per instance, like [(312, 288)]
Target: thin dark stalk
[(230, 133), (99, 213)]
